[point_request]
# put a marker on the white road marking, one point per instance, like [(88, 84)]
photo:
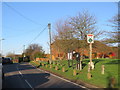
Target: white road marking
[(65, 79), (20, 72), (28, 83), (22, 76), (62, 78)]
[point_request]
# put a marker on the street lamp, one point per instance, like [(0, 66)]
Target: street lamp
[(1, 45)]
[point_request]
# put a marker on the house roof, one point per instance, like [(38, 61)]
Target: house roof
[(97, 45)]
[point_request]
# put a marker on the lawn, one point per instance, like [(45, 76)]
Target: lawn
[(98, 79)]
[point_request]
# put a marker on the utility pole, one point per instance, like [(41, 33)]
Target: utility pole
[(14, 54), (24, 49), (23, 52), (49, 28)]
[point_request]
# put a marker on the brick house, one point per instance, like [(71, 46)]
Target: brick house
[(99, 50)]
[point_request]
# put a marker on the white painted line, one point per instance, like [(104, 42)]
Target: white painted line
[(62, 78), (70, 81), (20, 73), (22, 76), (65, 79), (28, 83)]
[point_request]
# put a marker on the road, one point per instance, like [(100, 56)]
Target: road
[(0, 75), (24, 75)]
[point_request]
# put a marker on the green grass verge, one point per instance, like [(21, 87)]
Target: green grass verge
[(111, 70)]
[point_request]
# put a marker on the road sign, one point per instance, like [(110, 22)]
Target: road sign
[(90, 38)]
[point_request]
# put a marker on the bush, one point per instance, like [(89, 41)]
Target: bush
[(20, 59), (26, 59)]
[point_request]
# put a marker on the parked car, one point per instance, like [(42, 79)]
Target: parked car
[(6, 60)]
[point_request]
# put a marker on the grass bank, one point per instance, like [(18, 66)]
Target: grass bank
[(98, 79)]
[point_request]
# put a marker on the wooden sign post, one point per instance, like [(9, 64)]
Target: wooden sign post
[(90, 39), (102, 69)]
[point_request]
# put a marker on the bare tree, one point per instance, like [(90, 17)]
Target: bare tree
[(10, 54), (72, 32), (84, 24), (114, 36), (64, 36), (32, 50), (37, 54)]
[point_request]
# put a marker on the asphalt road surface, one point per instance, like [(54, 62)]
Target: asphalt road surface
[(24, 75)]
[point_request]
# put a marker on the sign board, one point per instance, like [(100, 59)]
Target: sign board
[(90, 38)]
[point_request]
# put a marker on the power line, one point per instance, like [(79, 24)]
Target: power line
[(22, 34), (34, 38), (26, 19), (21, 14), (38, 35)]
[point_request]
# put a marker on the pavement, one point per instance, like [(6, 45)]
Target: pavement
[(24, 75), (0, 76)]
